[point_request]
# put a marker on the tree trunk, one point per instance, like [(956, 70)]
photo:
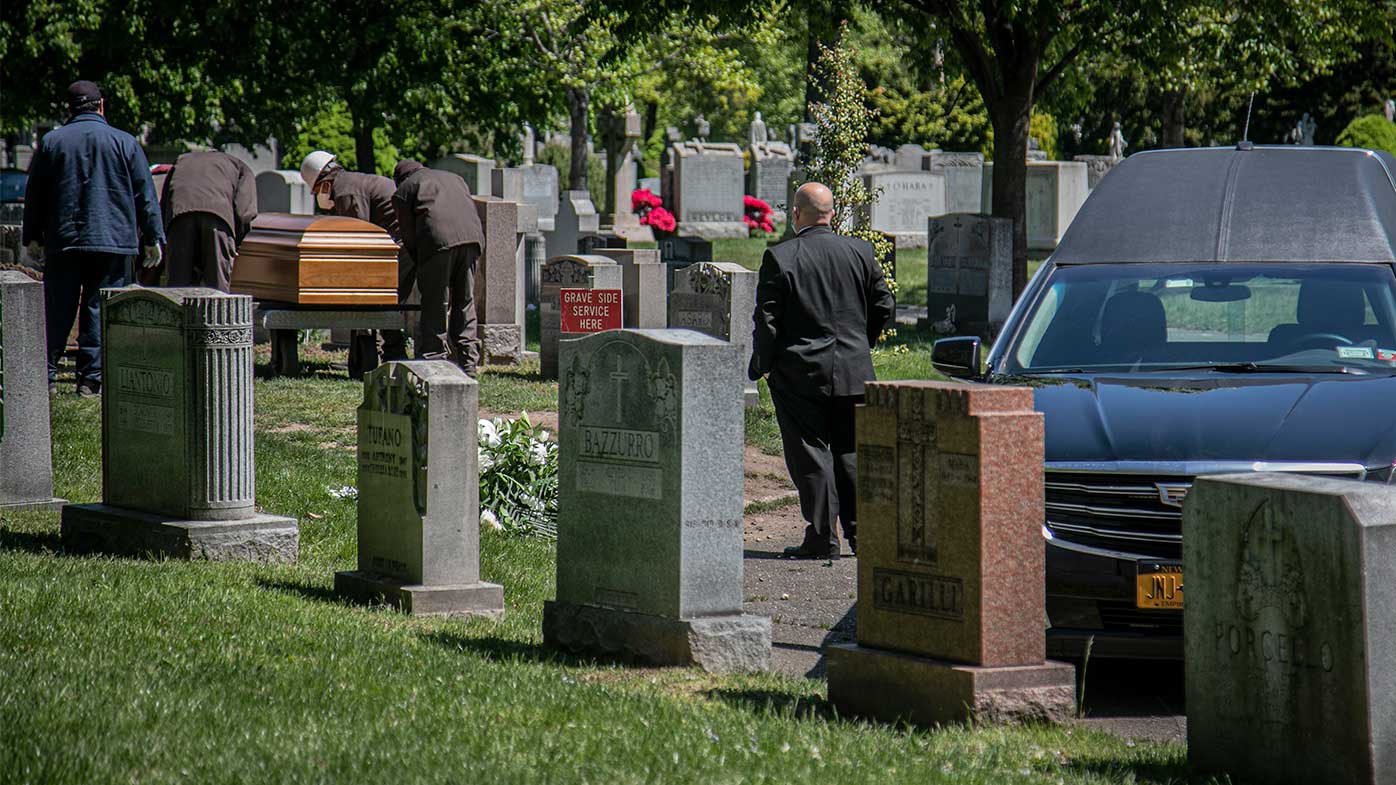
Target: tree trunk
[(578, 109), (824, 29), (1174, 104), (1010, 119), (363, 143)]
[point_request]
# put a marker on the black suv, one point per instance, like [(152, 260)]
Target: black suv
[(1209, 310)]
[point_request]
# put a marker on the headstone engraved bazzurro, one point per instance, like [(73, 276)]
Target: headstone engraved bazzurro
[(717, 299), (649, 562), (26, 458), (950, 615), (568, 272), (419, 494), (178, 477), (1290, 651)]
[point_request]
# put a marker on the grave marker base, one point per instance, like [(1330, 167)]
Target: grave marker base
[(501, 344), (104, 528), (894, 687), (468, 599), (715, 230), (43, 504), (735, 643)]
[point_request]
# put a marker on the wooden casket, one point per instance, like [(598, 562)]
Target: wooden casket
[(316, 260)]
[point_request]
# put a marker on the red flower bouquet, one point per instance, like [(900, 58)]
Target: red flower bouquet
[(757, 215), (650, 209)]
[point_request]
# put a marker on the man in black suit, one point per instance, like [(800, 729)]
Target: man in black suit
[(821, 303)]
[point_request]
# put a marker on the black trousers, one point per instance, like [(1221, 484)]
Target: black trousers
[(199, 251), (394, 342), (73, 281), (822, 456), (447, 283)]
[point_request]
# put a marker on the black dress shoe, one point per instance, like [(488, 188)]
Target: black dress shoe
[(90, 389), (806, 551), (853, 545)]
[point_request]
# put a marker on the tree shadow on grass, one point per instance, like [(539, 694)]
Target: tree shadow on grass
[(304, 590), (33, 542), (802, 707), (503, 649), (523, 374)]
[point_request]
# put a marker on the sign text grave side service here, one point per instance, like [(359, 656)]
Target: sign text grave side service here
[(590, 310)]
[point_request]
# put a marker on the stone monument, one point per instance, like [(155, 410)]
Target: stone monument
[(178, 478), (717, 299), (708, 190), (1055, 192), (419, 494), (756, 132), (969, 267), (568, 272), (476, 171), (283, 191), (499, 283), (950, 561), (964, 179), (1290, 650), (576, 216), (910, 157), (680, 251), (621, 136), (649, 547), (907, 199), (769, 178), (645, 281), (26, 455)]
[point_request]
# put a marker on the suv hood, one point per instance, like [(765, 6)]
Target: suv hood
[(1219, 418)]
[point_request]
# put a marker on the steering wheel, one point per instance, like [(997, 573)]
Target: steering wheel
[(1326, 338)]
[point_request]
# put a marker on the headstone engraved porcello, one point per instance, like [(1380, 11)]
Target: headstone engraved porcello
[(1290, 654), (649, 563), (950, 509), (178, 478), (419, 498)]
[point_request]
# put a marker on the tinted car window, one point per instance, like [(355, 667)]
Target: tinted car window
[(1154, 317), (12, 184)]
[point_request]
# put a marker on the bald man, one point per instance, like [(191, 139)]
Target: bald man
[(821, 303)]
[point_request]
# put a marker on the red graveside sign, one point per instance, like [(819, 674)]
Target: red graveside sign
[(589, 310)]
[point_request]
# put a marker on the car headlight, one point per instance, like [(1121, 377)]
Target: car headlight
[(1386, 474)]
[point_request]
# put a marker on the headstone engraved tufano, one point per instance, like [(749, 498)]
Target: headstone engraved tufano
[(1055, 192), (568, 272), (1290, 652), (906, 201), (950, 559), (717, 299), (178, 478), (709, 186), (645, 281), (969, 267), (576, 217), (26, 457), (649, 549), (964, 179), (499, 283), (283, 191), (419, 494)]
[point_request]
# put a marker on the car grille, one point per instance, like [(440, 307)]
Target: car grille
[(1119, 512), (1124, 616)]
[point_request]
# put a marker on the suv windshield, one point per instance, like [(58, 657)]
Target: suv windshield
[(1322, 318)]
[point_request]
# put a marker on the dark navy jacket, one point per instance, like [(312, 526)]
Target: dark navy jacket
[(90, 190)]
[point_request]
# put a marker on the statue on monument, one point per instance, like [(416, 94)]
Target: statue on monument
[(1117, 144), (758, 133), (526, 139), (1390, 110), (703, 127)]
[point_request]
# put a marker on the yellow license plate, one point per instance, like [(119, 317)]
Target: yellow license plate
[(1159, 586)]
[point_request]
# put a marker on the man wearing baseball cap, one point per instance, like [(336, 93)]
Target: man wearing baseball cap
[(90, 203)]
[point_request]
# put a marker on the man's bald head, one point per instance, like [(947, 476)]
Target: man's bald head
[(814, 205)]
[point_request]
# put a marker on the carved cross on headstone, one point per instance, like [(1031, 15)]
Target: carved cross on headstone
[(619, 376)]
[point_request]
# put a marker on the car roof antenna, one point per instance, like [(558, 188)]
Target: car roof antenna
[(1246, 132)]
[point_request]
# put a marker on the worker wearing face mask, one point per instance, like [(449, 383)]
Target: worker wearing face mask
[(367, 197)]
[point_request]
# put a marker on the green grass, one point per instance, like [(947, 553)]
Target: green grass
[(119, 670)]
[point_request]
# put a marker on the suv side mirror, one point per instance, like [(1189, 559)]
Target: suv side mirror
[(957, 358)]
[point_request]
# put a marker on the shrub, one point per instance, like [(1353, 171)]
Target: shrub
[(1372, 131)]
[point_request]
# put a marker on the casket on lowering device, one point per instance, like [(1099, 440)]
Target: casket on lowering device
[(316, 260)]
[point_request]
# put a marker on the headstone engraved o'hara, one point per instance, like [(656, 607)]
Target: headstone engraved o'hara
[(419, 494), (649, 551), (178, 476)]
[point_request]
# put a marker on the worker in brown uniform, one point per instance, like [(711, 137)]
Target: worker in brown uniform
[(442, 233), (367, 197), (209, 203)]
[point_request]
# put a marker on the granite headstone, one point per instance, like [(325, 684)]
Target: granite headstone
[(769, 178), (26, 455), (969, 267), (477, 171), (644, 280), (708, 187), (1055, 192), (178, 477), (649, 549), (419, 494), (964, 179), (950, 561), (576, 217), (717, 299), (907, 199), (283, 191), (499, 283), (1289, 645)]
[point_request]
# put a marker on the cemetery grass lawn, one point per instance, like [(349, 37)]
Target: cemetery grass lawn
[(121, 670)]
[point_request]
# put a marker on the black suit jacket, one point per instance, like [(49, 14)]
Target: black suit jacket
[(821, 303)]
